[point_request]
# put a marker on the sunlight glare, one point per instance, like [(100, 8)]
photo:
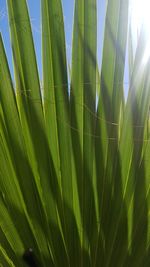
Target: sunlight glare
[(140, 17)]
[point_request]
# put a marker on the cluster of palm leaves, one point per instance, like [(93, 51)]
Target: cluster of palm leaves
[(74, 158)]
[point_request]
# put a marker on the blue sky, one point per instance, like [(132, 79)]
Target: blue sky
[(34, 10)]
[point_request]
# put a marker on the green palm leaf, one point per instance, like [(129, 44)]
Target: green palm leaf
[(74, 158)]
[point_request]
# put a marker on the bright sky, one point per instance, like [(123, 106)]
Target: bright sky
[(34, 9)]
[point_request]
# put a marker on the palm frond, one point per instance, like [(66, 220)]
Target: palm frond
[(74, 159)]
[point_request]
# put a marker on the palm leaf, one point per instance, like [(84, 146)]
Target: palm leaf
[(74, 159)]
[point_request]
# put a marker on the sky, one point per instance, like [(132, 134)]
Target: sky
[(34, 11)]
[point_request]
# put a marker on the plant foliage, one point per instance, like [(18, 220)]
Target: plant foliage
[(74, 158)]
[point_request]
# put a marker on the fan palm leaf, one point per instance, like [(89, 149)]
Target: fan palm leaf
[(74, 156)]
